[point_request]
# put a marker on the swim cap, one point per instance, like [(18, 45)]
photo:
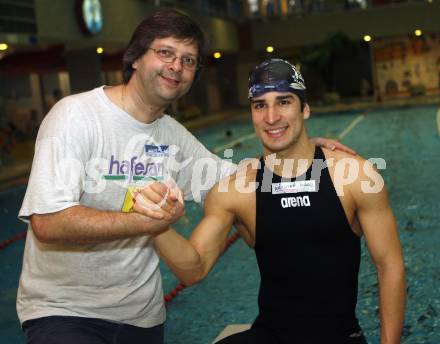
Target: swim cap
[(276, 75)]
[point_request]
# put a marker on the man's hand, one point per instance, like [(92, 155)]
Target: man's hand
[(161, 201), (332, 145)]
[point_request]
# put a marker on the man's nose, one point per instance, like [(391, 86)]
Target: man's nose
[(177, 65), (271, 115)]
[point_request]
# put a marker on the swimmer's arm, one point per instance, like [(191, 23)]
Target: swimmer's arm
[(382, 238), (191, 260), (84, 225)]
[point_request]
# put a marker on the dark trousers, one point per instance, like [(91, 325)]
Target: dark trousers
[(261, 335), (77, 330)]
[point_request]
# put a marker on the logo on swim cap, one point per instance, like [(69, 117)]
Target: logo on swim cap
[(275, 75)]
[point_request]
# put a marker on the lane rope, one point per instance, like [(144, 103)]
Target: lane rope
[(13, 239), (173, 293)]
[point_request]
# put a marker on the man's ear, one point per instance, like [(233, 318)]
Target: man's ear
[(306, 111)]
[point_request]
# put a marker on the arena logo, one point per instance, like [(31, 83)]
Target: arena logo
[(293, 202)]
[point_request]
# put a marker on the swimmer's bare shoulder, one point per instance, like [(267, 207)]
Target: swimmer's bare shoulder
[(355, 176), (366, 167)]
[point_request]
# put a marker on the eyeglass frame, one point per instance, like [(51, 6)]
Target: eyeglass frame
[(197, 64)]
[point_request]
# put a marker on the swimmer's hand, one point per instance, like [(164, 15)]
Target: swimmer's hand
[(160, 201), (332, 145)]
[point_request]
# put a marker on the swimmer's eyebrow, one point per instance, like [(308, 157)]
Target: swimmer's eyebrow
[(287, 96)]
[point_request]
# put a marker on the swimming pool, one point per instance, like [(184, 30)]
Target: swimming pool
[(408, 139)]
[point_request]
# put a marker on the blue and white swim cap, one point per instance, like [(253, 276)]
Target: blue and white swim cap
[(276, 75)]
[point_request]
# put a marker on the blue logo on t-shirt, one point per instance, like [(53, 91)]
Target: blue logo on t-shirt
[(153, 150)]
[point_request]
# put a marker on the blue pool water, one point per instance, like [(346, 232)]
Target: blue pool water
[(409, 142)]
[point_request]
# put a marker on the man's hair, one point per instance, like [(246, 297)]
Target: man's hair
[(163, 23)]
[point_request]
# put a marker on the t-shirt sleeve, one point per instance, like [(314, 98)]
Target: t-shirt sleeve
[(199, 169), (61, 151)]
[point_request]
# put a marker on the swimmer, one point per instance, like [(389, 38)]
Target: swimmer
[(306, 235)]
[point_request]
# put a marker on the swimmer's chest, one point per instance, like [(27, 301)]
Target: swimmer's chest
[(306, 209)]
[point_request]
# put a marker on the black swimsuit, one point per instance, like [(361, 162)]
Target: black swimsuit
[(308, 258)]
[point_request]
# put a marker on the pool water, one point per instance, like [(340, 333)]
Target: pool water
[(408, 140)]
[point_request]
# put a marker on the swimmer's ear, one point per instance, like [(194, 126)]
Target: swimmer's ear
[(306, 111)]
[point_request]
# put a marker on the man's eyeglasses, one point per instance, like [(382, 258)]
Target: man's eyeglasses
[(168, 56)]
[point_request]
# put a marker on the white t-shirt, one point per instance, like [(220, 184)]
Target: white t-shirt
[(89, 152)]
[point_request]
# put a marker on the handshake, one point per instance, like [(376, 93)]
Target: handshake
[(159, 201)]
